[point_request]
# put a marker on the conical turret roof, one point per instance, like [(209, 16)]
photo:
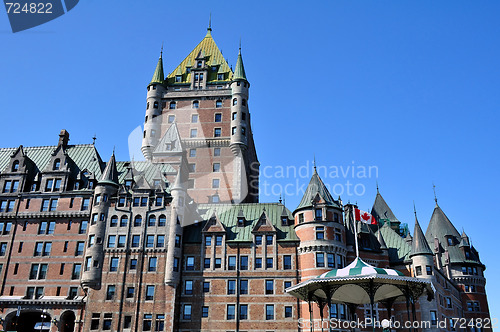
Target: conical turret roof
[(419, 245), (110, 174), (381, 209), (158, 76), (316, 187), (239, 71)]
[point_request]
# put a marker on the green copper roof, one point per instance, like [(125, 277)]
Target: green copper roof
[(158, 76), (145, 169), (227, 214), (212, 54), (315, 187), (398, 248), (239, 71), (110, 174)]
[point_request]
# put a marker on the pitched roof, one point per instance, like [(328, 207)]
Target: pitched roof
[(84, 157), (316, 187), (212, 54), (148, 170), (419, 245), (158, 76), (399, 249), (227, 214), (239, 70), (381, 210)]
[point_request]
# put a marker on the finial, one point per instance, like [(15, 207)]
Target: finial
[(114, 149), (435, 196), (377, 186), (279, 199), (240, 44), (415, 210), (93, 139), (161, 52), (210, 22), (314, 162)]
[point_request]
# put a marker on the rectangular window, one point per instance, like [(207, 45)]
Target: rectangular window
[(85, 204), (45, 205), (113, 265), (150, 241), (258, 263), (288, 311), (53, 204), (244, 263), (320, 233), (269, 311), (269, 240), (331, 260), (190, 263), (243, 287), (147, 322), (194, 118), (110, 293), (269, 287), (83, 227), (428, 270), (135, 241), (206, 286), (133, 264), (320, 259), (269, 263), (258, 240), (231, 287), (218, 117), (218, 240), (243, 311), (206, 263), (73, 292), (106, 323), (152, 264), (433, 317), (418, 270), (160, 241), (121, 241), (208, 240), (204, 311), (193, 133), (218, 263), (287, 262), (150, 292), (188, 287), (216, 152), (287, 284), (230, 311), (215, 183), (77, 269), (186, 312), (231, 263), (160, 323), (216, 167), (111, 241), (47, 246)]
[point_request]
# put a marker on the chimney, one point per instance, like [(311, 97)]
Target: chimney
[(63, 138)]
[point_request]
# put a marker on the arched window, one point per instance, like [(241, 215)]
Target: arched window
[(218, 104), (244, 102), (113, 222), (155, 104), (162, 220), (57, 164), (147, 106), (196, 104), (200, 63), (235, 101), (172, 105), (124, 221), (152, 220), (15, 166), (137, 221)]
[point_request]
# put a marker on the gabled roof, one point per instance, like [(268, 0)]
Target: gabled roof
[(211, 53), (314, 191), (263, 224), (213, 225), (227, 214), (150, 172), (381, 210), (419, 245), (170, 142)]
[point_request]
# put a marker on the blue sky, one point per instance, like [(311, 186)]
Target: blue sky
[(408, 88)]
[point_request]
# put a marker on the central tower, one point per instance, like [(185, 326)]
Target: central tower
[(198, 115)]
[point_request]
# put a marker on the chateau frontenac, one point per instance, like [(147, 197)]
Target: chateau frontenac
[(180, 241)]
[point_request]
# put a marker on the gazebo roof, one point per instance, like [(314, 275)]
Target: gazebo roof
[(359, 268)]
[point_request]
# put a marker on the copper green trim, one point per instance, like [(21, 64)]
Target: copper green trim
[(239, 71), (158, 76)]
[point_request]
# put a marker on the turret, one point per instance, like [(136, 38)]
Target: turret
[(106, 187), (421, 253), (152, 121), (240, 117), (174, 250)]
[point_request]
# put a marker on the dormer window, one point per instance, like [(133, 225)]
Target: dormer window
[(57, 164), (450, 240), (172, 105), (220, 77), (178, 78), (128, 184), (241, 222), (214, 68), (15, 166), (188, 70), (199, 64), (284, 221)]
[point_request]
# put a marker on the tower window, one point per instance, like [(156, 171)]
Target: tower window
[(220, 77), (244, 102), (320, 233), (320, 259), (147, 105), (217, 132), (418, 270), (192, 152), (172, 105), (234, 115), (319, 214), (155, 105), (218, 117), (153, 133), (216, 167), (218, 104), (235, 101), (233, 130), (196, 104), (199, 64), (215, 183)]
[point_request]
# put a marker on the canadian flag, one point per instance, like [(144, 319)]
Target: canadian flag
[(364, 217)]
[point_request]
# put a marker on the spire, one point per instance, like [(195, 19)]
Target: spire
[(239, 71), (110, 174), (419, 245), (435, 196), (209, 29), (158, 75), (316, 188)]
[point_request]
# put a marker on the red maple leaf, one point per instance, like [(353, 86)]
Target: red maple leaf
[(365, 216)]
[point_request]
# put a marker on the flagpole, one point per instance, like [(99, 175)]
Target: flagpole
[(355, 231)]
